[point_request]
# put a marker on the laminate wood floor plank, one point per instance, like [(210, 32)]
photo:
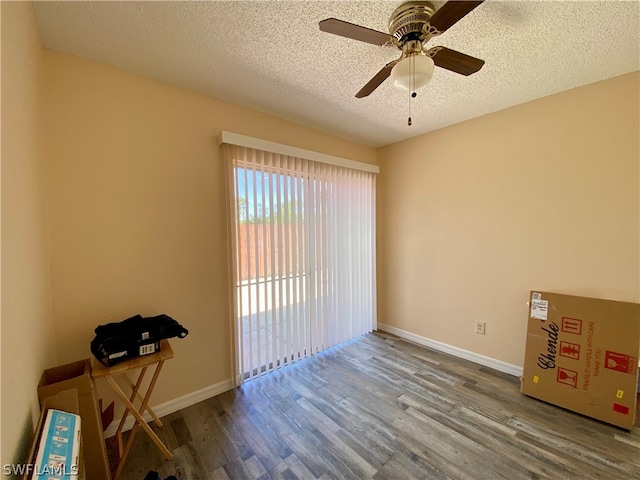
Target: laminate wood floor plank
[(488, 447), (219, 436), (296, 468), (380, 407), (531, 462)]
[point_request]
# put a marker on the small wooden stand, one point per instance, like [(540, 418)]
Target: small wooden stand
[(121, 369)]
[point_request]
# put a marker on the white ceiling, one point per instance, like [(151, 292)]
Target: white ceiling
[(271, 56)]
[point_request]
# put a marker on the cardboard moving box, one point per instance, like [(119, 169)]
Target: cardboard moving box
[(77, 375), (582, 354)]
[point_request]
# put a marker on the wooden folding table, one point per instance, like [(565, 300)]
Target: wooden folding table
[(121, 370)]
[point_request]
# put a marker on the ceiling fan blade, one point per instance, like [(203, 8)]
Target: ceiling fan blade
[(455, 61), (450, 13), (377, 80), (353, 31)]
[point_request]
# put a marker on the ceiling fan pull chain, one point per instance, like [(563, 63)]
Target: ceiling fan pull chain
[(412, 89)]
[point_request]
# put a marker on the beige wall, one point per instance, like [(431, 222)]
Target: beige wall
[(137, 209), (28, 344), (544, 195)]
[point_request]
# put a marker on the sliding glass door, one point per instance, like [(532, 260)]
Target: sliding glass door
[(303, 255)]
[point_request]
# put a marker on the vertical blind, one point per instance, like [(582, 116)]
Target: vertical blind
[(303, 256)]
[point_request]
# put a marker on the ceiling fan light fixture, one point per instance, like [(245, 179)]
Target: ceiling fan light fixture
[(412, 72)]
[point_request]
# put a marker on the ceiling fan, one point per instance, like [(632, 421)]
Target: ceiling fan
[(411, 26)]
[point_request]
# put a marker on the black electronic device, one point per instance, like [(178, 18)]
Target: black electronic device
[(133, 337)]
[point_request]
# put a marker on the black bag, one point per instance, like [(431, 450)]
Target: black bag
[(133, 337)]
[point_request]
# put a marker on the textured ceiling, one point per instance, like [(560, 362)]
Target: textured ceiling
[(271, 56)]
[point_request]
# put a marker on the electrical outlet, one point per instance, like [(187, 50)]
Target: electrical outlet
[(480, 327)]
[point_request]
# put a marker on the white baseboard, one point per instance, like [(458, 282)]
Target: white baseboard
[(455, 351), (174, 405)]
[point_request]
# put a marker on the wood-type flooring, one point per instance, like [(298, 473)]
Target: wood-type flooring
[(381, 407)]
